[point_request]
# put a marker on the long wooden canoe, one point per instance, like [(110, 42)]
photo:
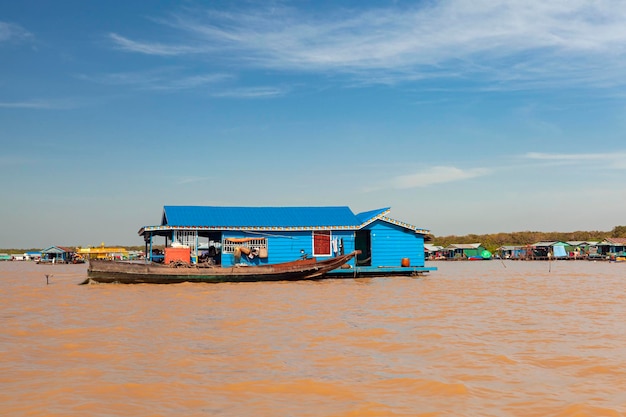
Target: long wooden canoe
[(133, 272)]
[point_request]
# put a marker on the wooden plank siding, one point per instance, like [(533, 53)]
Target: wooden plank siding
[(391, 243), (286, 246)]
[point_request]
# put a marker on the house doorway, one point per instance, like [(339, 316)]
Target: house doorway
[(363, 242)]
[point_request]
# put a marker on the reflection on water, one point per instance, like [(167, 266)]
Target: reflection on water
[(471, 339)]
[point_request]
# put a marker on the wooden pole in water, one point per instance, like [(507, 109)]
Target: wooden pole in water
[(501, 259), (549, 262)]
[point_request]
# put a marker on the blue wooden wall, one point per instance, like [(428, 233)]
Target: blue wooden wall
[(285, 246), (391, 243)]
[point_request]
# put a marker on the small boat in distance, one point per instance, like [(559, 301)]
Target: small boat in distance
[(135, 272)]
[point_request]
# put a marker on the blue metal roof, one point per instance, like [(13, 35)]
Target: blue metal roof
[(219, 216), (368, 216), (274, 218)]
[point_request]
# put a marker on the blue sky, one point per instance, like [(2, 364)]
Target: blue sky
[(478, 116)]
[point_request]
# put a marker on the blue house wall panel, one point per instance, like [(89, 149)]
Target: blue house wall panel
[(286, 247), (391, 243)]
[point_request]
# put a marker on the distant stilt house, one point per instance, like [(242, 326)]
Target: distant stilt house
[(581, 249), (460, 251), (611, 247), (57, 254), (103, 252), (511, 252), (546, 250), (607, 249), (230, 236), (32, 256), (572, 250), (433, 252)]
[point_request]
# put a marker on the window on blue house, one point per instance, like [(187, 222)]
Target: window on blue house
[(321, 242), (230, 244)]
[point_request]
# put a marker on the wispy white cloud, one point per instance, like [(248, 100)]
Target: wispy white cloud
[(575, 156), (151, 48), (430, 176), (614, 160), (502, 42), (252, 92), (437, 175), (165, 79), (13, 32), (50, 104), (174, 79), (194, 81)]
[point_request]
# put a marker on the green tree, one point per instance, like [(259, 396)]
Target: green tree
[(618, 231)]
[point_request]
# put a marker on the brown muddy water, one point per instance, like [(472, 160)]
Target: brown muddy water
[(485, 338)]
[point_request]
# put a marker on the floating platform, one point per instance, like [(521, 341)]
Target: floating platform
[(381, 271)]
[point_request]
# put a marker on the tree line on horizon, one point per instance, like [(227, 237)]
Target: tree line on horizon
[(495, 240), (490, 241)]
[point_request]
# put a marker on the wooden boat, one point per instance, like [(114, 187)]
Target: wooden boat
[(129, 272)]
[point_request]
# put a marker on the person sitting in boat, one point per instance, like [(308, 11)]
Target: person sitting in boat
[(211, 256)]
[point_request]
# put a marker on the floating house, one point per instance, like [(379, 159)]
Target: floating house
[(265, 235), (612, 247), (511, 252), (542, 251), (433, 252), (579, 249), (103, 252), (554, 249), (32, 255), (458, 251), (60, 254), (571, 250)]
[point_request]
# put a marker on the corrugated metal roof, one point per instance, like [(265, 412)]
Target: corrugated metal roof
[(218, 216), (57, 249), (615, 240), (368, 216), (270, 218), (464, 246), (405, 225)]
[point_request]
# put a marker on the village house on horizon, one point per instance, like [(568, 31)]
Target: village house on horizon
[(605, 249), (268, 235)]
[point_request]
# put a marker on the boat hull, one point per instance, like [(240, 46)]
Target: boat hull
[(103, 271)]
